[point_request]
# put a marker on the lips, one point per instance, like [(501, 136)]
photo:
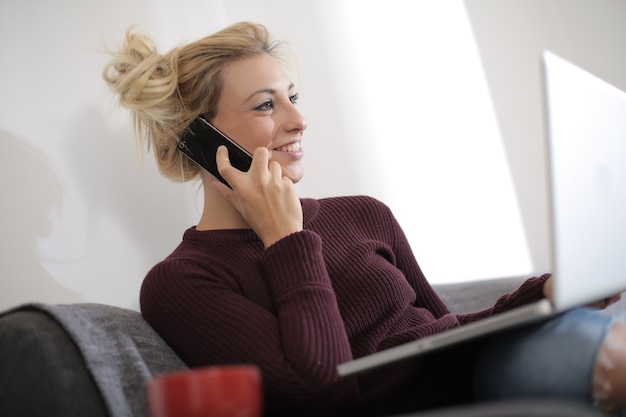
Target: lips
[(292, 147)]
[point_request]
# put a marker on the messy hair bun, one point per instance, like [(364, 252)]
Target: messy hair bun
[(165, 93)]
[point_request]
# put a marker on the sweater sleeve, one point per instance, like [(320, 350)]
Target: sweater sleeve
[(313, 338), (297, 345)]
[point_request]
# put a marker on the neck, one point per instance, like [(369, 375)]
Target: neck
[(218, 213)]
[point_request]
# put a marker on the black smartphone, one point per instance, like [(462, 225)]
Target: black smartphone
[(200, 142)]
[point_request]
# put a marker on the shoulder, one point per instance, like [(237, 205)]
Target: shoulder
[(354, 204), (169, 273), (360, 208), (359, 213), (196, 259), (185, 275), (191, 261)]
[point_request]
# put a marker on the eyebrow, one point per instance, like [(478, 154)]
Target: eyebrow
[(271, 91)]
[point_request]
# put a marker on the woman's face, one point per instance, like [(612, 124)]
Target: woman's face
[(257, 108)]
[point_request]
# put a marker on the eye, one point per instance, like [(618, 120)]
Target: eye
[(294, 98), (266, 105)]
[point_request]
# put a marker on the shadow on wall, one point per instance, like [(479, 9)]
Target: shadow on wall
[(121, 189), (31, 189)]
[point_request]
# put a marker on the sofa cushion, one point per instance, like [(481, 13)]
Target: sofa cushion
[(467, 297)]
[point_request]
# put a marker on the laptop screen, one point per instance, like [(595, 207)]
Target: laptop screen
[(587, 160)]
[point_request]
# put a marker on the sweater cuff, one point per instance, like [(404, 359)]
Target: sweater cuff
[(530, 291), (296, 261)]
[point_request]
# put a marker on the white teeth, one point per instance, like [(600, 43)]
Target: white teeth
[(293, 147)]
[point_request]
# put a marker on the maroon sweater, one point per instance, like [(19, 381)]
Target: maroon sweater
[(346, 286)]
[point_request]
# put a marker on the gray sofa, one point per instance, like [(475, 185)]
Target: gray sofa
[(94, 360)]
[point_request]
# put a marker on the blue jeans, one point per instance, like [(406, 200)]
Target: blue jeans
[(553, 359)]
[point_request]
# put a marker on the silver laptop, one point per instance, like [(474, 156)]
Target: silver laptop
[(587, 159)]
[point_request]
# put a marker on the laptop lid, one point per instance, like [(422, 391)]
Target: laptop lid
[(587, 160)]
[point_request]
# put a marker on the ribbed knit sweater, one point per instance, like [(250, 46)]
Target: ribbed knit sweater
[(346, 286)]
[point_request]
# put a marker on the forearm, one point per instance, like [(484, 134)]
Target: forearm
[(313, 333)]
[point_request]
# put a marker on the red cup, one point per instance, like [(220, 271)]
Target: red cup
[(217, 391)]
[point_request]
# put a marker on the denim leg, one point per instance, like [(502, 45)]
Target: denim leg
[(553, 359)]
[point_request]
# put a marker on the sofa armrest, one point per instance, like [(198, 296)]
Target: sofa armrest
[(43, 371), (113, 346)]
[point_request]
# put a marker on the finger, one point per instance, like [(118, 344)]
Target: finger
[(260, 159), (276, 171), (221, 158), (614, 299), (601, 305), (224, 166)]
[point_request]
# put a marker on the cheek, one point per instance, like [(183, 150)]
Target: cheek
[(252, 137), (249, 133)]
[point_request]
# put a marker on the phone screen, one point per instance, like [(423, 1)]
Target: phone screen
[(200, 142)]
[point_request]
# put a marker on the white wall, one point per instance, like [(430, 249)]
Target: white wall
[(83, 219)]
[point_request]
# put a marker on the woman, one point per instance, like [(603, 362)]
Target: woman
[(297, 286)]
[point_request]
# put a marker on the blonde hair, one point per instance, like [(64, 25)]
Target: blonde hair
[(165, 93)]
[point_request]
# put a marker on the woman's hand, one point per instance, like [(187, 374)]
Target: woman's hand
[(266, 199), (547, 288), (602, 304)]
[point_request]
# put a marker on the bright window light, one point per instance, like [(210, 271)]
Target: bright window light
[(435, 132)]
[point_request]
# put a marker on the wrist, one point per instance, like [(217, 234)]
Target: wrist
[(271, 240)]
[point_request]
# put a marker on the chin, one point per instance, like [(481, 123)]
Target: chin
[(294, 174), (296, 179)]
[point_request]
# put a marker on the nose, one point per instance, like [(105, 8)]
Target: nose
[(296, 120)]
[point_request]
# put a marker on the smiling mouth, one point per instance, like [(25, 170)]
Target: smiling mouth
[(292, 147)]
